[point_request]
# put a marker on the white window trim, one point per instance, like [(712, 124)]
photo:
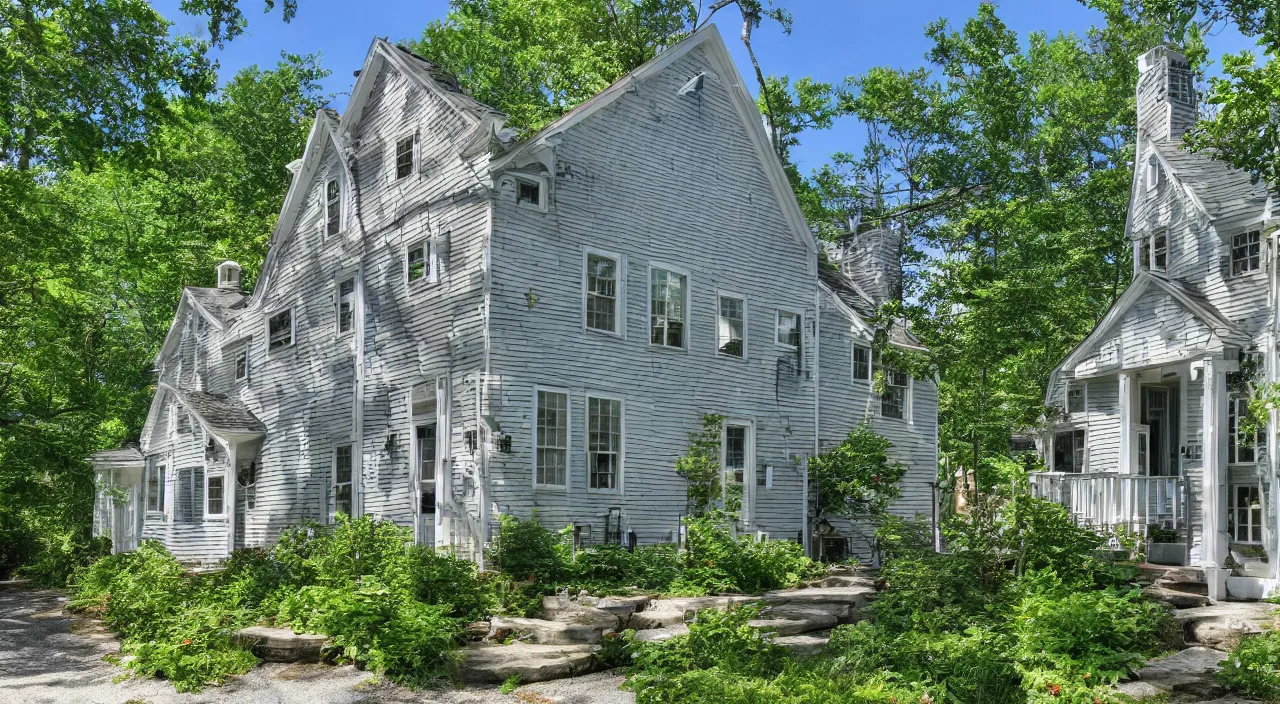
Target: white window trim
[(1084, 399), (333, 480), (568, 438), (156, 468), (1153, 168), (431, 276), (342, 203), (724, 293), (907, 402), (748, 465), (536, 179), (777, 322), (1151, 247), (235, 358), (393, 145), (1231, 254), (620, 299), (871, 372), (622, 441), (337, 303), (1071, 428), (293, 329), (648, 309), (1233, 509), (211, 473)]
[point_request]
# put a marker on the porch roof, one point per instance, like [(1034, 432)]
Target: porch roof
[(221, 415), (127, 456)]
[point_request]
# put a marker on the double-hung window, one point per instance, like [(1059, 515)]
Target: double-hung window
[(1075, 399), (731, 326), (1246, 251), (1242, 447), (735, 454), (404, 157), (552, 452), (346, 305), (1068, 451), (342, 471), (893, 400), (788, 330), (602, 293), (667, 304), (155, 488), (861, 363), (417, 266), (214, 486), (280, 330), (1246, 514), (1159, 250), (604, 442), (332, 207), (242, 363)]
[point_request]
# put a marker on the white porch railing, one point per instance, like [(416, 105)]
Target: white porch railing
[(1110, 499)]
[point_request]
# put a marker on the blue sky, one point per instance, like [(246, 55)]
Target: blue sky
[(831, 39)]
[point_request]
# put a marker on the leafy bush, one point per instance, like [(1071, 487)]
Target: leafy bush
[(606, 568), (447, 580), (856, 478), (717, 561), (1252, 669), (526, 550)]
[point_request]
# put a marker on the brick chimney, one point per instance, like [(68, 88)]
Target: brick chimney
[(873, 260), (1166, 95)]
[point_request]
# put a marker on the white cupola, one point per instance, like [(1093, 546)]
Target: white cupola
[(229, 276)]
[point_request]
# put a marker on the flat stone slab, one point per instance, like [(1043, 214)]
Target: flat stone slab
[(1176, 599), (1189, 672), (1223, 624), (855, 596), (657, 635), (804, 644), (623, 606), (842, 580), (536, 630), (565, 610), (793, 619), (531, 662), (662, 613), (280, 644)]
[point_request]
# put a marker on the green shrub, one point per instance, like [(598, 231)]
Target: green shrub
[(716, 639), (607, 568), (719, 562), (1252, 669), (525, 549), (446, 580)]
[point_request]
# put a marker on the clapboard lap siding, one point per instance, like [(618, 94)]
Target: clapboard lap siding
[(694, 199)]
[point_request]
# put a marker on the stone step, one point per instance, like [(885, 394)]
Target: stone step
[(1222, 625), (622, 606), (853, 596), (1178, 600), (841, 580), (661, 613), (531, 662), (280, 644), (536, 630), (804, 644), (565, 610), (1201, 588), (1186, 674), (656, 635)]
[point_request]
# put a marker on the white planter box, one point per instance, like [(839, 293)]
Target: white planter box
[(1167, 553)]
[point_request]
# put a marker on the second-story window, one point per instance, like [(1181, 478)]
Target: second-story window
[(1246, 250), (1075, 399), (893, 400), (666, 307), (242, 363), (789, 329), (602, 293), (404, 157), (280, 330), (418, 261), (528, 192), (731, 326), (346, 305), (861, 363), (332, 207), (1159, 250)]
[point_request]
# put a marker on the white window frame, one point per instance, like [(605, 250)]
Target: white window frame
[(853, 363), (1234, 510), (720, 296), (1084, 398), (748, 464), (1236, 404), (324, 204), (622, 441), (394, 157), (428, 277), (1084, 454), (777, 328), (1151, 246), (907, 394), (157, 471), (620, 291), (1247, 258), (568, 437), (1153, 169), (333, 480), (687, 293), (337, 308), (532, 180), (211, 474), (293, 329), (240, 352)]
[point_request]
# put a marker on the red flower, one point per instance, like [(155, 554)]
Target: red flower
[(1054, 689), (186, 641)]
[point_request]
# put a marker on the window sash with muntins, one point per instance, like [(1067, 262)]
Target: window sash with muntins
[(242, 364), (788, 331), (280, 330), (1246, 252), (1075, 399), (602, 293), (604, 442), (1245, 514), (1068, 451), (404, 158), (213, 496), (1242, 449), (667, 308), (893, 400), (342, 470), (552, 452), (346, 305), (426, 439), (155, 489), (861, 363), (333, 207), (247, 480), (417, 266), (528, 192), (735, 453), (731, 327)]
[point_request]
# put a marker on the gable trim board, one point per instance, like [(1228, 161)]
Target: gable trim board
[(173, 335), (745, 106), (1205, 313)]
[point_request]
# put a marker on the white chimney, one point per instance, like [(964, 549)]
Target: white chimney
[(229, 276)]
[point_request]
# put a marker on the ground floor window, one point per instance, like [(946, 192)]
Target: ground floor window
[(247, 478), (1245, 516), (426, 447), (342, 464), (213, 494), (1242, 448), (604, 442), (155, 488), (1068, 451)]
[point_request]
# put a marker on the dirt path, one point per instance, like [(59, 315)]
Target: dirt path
[(46, 657)]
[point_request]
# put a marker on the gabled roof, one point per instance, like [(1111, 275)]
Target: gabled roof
[(859, 307), (1218, 190), (707, 36), (1186, 295), (128, 456), (219, 307), (221, 415)]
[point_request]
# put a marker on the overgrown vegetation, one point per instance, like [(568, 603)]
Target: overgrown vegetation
[(1021, 609), (1252, 668)]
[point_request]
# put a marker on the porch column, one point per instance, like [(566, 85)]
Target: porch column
[(1214, 449), (229, 495), (1125, 393)]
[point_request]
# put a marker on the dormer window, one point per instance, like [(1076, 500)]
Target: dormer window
[(1153, 172), (1246, 250), (242, 364), (404, 157), (528, 192), (332, 207), (1159, 250)]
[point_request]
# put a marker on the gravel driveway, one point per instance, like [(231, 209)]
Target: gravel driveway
[(47, 657)]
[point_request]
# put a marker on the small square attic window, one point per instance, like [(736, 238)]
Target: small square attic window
[(528, 191)]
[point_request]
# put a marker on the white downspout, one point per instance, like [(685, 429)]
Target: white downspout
[(817, 405)]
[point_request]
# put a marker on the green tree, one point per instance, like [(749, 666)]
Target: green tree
[(855, 479)]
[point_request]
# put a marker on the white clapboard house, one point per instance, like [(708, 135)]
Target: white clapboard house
[(1145, 434), (451, 325)]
